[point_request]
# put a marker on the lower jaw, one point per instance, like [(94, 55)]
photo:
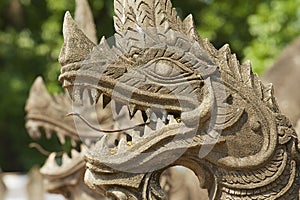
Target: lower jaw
[(162, 148)]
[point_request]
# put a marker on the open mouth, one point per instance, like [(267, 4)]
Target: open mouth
[(62, 165), (130, 120), (137, 130), (61, 162)]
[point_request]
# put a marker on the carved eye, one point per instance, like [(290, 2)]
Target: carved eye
[(165, 70)]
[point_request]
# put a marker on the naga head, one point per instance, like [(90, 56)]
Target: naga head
[(183, 102)]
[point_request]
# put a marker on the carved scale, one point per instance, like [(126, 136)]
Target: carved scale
[(160, 68)]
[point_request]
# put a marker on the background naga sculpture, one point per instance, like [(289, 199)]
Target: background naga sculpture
[(187, 104)]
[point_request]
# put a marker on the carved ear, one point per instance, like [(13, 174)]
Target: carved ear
[(84, 19), (38, 96), (76, 44)]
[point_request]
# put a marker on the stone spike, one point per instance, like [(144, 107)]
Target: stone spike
[(38, 96), (190, 27), (84, 19), (76, 45)]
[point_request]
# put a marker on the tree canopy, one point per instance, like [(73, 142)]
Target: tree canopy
[(31, 38)]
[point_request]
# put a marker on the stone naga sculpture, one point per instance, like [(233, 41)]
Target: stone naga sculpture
[(46, 113), (201, 109)]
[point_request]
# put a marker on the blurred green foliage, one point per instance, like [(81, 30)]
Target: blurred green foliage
[(31, 38)]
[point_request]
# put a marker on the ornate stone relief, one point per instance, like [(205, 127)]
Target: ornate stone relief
[(185, 103)]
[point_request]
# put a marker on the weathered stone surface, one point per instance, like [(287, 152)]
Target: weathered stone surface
[(174, 100), (48, 113), (201, 108)]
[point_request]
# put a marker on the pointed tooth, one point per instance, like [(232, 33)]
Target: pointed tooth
[(83, 149), (102, 143), (75, 153), (78, 96), (164, 119), (135, 136), (159, 114), (100, 100), (90, 147), (61, 138), (142, 133), (73, 143), (159, 124), (87, 142), (70, 92), (50, 163), (149, 112), (137, 118), (147, 131), (124, 117), (132, 110), (118, 107), (48, 134), (66, 159), (153, 117), (86, 98), (171, 119), (106, 101), (95, 94), (152, 125), (122, 145), (35, 134)]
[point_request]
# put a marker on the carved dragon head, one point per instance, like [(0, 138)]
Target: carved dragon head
[(63, 171), (198, 106), (46, 113)]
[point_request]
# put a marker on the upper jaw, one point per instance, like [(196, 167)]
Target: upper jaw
[(76, 83), (147, 145), (165, 120)]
